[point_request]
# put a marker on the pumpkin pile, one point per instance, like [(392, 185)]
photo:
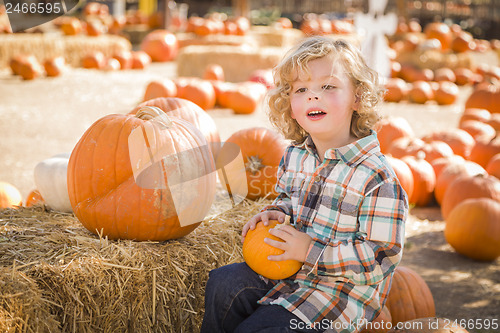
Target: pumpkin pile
[(459, 170), (211, 90), (429, 64)]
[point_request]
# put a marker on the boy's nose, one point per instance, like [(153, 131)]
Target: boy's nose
[(313, 97)]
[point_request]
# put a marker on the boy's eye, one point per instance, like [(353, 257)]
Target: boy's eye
[(300, 90), (327, 87)]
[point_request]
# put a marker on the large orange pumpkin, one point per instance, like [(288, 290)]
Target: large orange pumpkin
[(141, 177), (479, 130), (454, 169), (482, 115), (262, 150), (493, 167), (410, 297), (255, 253), (466, 187), (484, 150), (161, 45), (440, 163), (472, 228), (187, 110), (485, 96), (9, 196), (459, 140)]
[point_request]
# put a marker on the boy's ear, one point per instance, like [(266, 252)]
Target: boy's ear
[(355, 105), (357, 100)]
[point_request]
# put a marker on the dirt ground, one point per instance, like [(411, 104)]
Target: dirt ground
[(45, 117)]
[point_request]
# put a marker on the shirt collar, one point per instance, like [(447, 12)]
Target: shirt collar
[(351, 154)]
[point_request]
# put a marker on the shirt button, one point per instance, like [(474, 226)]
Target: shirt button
[(299, 225), (317, 179)]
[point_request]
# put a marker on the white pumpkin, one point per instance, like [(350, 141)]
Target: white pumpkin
[(51, 181)]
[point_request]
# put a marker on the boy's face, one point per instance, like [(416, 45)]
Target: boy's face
[(322, 102)]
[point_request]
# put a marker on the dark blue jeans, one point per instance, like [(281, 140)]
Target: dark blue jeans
[(231, 297)]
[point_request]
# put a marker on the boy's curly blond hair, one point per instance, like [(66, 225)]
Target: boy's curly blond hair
[(367, 88)]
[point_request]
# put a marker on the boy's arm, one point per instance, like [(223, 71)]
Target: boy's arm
[(377, 248)]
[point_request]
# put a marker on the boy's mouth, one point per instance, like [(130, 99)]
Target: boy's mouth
[(315, 114)]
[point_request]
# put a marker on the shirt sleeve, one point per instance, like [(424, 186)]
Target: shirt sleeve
[(377, 247), (283, 201)]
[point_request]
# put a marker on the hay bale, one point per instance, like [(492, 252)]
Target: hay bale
[(22, 306), (76, 47), (238, 62), (434, 59), (72, 48), (272, 36), (187, 39), (78, 282)]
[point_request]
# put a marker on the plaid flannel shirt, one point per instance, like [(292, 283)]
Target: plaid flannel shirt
[(354, 207)]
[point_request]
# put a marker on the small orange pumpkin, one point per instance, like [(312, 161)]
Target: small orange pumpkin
[(396, 90), (157, 88), (124, 58), (390, 128), (199, 91), (161, 45), (34, 198), (446, 93), (441, 32), (94, 59), (214, 72), (403, 172), (262, 150), (421, 92), (255, 253), (140, 60), (10, 197), (245, 97), (54, 66), (424, 180)]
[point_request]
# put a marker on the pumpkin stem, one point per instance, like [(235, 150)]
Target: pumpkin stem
[(254, 164), (154, 113)]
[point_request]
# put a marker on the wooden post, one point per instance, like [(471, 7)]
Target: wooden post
[(403, 9), (241, 8), (165, 5)]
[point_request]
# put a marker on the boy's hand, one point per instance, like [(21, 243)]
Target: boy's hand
[(295, 243), (264, 216)]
